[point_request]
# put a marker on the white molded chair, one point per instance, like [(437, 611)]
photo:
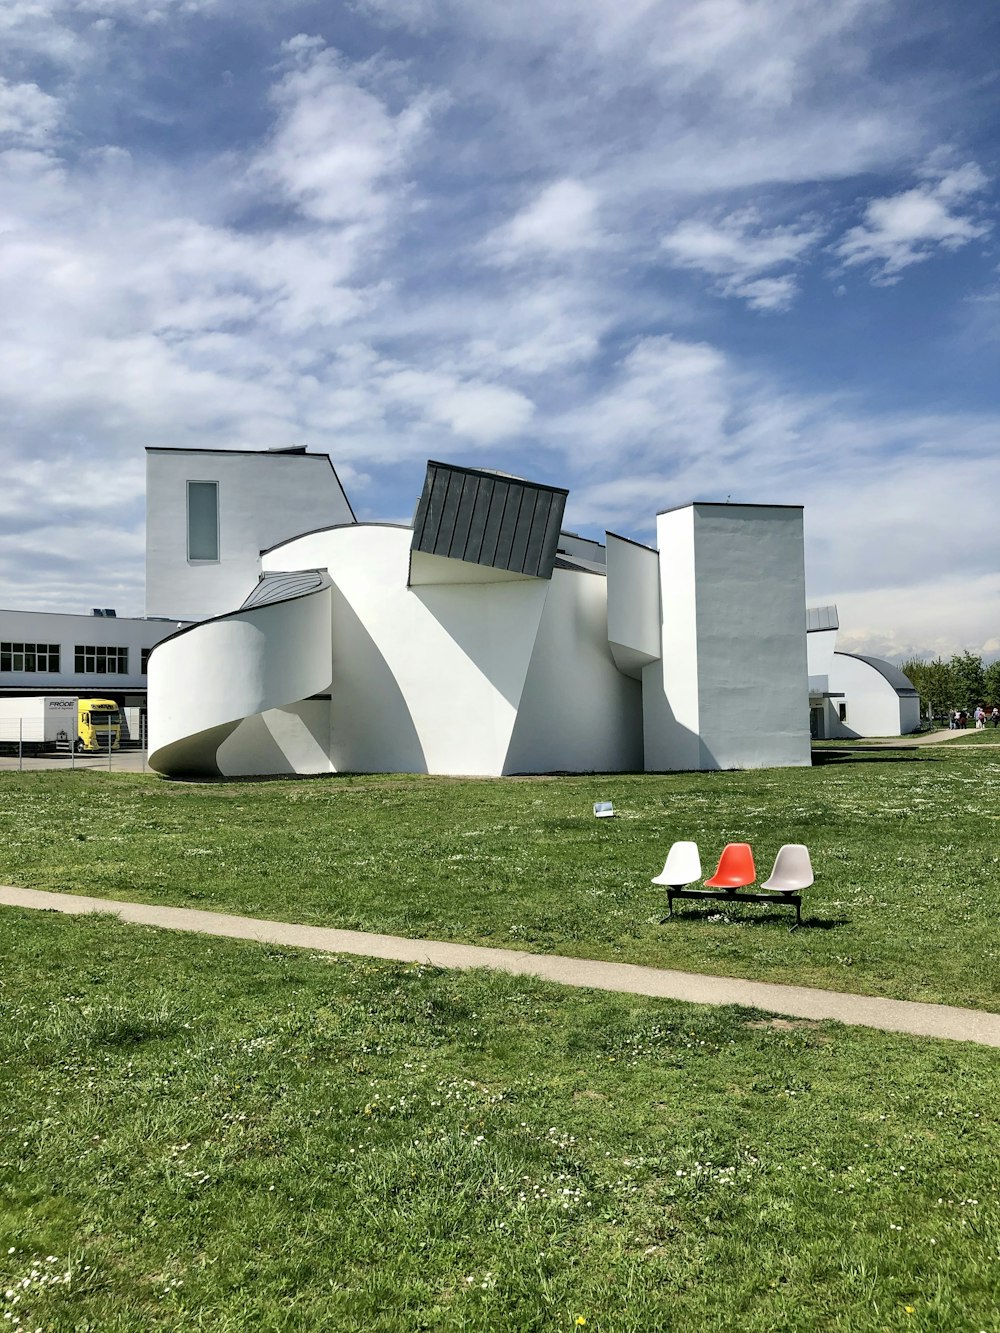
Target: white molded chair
[(682, 866), (792, 869)]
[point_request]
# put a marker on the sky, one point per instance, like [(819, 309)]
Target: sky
[(651, 251)]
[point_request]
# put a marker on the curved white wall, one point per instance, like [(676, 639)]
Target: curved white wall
[(204, 682), (873, 706), (578, 711), (424, 679)]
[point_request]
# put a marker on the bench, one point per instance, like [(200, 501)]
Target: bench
[(735, 875)]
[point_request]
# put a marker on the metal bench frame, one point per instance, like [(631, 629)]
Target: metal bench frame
[(778, 898)]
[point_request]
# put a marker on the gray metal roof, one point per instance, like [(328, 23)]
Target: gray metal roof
[(282, 587), (900, 683), (583, 566), (822, 617), (575, 547), (485, 519)]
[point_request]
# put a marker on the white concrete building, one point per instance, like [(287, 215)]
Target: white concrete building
[(481, 639), (210, 512), (851, 696), (100, 655)]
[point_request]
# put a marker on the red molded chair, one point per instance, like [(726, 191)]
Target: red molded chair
[(735, 869)]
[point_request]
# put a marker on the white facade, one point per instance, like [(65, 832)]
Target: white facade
[(45, 652), (852, 696), (730, 688), (485, 640), (260, 499)]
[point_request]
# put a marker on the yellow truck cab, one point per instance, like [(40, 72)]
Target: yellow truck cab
[(98, 721)]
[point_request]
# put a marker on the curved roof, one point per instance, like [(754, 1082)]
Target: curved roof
[(900, 683)]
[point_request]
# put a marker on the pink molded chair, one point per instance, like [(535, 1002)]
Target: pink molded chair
[(735, 869)]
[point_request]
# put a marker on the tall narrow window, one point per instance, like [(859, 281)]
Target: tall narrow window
[(203, 520)]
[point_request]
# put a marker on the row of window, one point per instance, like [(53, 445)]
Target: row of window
[(88, 659), (29, 657)]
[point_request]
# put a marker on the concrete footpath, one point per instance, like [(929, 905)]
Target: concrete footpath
[(922, 1020)]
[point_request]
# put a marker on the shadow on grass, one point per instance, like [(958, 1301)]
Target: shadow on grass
[(704, 916), (868, 754)]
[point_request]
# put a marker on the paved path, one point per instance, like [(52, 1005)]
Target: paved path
[(923, 1020), (907, 742)]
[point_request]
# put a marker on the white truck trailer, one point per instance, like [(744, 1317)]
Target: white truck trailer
[(39, 722), (59, 722)]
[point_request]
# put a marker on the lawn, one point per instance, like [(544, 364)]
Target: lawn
[(986, 736), (904, 845), (203, 1134)]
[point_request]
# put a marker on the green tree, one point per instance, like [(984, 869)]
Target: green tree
[(991, 683), (933, 681), (969, 675)]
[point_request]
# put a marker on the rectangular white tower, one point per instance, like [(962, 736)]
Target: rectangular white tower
[(731, 688), (210, 513)]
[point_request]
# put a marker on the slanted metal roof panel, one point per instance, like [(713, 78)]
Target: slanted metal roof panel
[(281, 586), (822, 617), (486, 519)]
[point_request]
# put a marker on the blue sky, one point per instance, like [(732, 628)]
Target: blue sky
[(653, 252)]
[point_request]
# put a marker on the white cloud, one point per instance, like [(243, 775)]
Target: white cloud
[(337, 147), (481, 413), (668, 401), (750, 50), (647, 97), (737, 252), (894, 503), (28, 116), (559, 221), (935, 617), (904, 229), (538, 329)]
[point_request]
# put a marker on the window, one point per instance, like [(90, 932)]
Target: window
[(842, 711), (91, 660), (144, 660), (203, 520), (29, 657)]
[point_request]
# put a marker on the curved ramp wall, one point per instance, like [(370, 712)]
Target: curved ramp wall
[(231, 696)]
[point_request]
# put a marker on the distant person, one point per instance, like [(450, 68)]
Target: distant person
[(995, 716), (953, 719), (980, 716), (963, 720)]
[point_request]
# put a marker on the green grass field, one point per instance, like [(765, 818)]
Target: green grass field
[(987, 736), (904, 844), (201, 1134)]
